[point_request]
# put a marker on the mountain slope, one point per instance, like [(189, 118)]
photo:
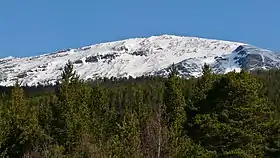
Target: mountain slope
[(137, 57)]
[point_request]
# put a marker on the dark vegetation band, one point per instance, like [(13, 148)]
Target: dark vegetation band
[(231, 115)]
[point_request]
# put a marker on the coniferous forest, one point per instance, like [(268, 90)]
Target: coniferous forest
[(234, 115)]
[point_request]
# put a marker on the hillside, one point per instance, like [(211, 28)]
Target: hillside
[(136, 57)]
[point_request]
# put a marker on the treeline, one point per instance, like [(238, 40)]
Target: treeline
[(231, 115)]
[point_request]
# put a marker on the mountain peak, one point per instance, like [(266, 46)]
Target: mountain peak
[(136, 57)]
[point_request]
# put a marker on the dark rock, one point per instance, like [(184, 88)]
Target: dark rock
[(10, 66), (78, 62), (43, 66), (3, 61), (239, 48), (140, 53), (269, 62), (218, 59), (22, 75), (120, 48), (59, 55), (82, 49), (250, 61), (62, 51), (92, 59), (85, 48), (254, 59), (109, 56), (3, 77), (242, 52)]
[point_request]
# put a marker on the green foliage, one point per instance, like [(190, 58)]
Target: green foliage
[(129, 133), (232, 115), (175, 111), (235, 118), (20, 131)]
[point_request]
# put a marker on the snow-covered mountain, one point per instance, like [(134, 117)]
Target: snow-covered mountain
[(137, 57)]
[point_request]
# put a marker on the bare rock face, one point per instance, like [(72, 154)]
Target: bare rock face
[(3, 77), (137, 57), (250, 58), (243, 57)]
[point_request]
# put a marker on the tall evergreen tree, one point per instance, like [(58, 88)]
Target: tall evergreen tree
[(71, 114), (104, 118), (19, 128), (204, 84), (129, 133), (175, 112), (236, 119), (226, 116)]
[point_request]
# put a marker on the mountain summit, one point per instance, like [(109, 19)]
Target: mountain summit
[(137, 57)]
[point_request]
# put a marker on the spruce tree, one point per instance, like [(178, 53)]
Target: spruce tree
[(129, 133), (201, 89), (237, 118), (71, 114), (103, 118), (175, 112), (20, 131)]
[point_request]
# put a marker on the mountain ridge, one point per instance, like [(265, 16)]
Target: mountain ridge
[(136, 57)]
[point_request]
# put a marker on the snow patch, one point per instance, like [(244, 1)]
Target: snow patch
[(132, 57)]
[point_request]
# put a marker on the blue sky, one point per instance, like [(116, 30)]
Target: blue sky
[(33, 27)]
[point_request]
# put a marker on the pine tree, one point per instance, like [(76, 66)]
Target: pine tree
[(176, 117), (197, 102), (72, 114), (235, 122), (103, 118), (78, 119), (98, 109), (68, 74), (129, 133), (229, 115), (19, 126), (204, 84)]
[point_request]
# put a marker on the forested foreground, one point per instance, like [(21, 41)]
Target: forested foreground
[(232, 115)]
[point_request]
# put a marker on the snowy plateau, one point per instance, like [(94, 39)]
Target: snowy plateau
[(137, 57)]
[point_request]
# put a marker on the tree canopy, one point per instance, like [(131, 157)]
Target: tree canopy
[(230, 115)]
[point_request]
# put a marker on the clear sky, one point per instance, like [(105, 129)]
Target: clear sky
[(33, 27)]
